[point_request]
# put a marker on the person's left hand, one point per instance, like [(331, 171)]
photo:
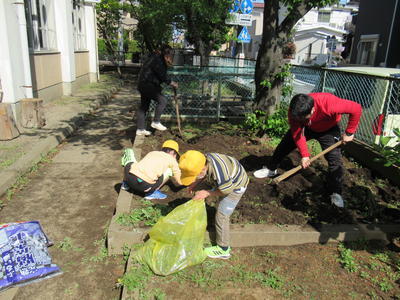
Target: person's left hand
[(347, 138), (305, 162), (203, 194)]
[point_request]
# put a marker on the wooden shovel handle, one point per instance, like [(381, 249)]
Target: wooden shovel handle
[(296, 169), (178, 117)]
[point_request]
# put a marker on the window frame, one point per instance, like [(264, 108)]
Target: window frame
[(40, 25)]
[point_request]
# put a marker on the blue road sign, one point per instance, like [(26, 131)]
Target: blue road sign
[(235, 6), (244, 36), (246, 6)]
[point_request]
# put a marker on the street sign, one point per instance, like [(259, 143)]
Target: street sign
[(239, 19), (92, 1), (246, 6), (235, 6), (244, 36)]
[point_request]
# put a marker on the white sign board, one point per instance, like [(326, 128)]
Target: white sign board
[(92, 1), (239, 19)]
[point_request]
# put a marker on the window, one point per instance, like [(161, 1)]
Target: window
[(40, 25), (367, 49), (324, 17), (78, 23)]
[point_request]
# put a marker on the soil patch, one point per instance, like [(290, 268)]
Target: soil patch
[(297, 272), (300, 199)]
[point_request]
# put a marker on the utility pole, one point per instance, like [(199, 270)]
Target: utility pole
[(121, 59)]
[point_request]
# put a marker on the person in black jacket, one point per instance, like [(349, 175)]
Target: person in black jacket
[(151, 76)]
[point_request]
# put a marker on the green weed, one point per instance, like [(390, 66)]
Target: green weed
[(148, 215), (346, 258), (67, 245), (271, 278), (23, 180), (202, 275), (136, 277)]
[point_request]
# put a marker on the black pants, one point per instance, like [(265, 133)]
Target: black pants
[(148, 93), (138, 185), (326, 139)]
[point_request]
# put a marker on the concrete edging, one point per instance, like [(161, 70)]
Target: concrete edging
[(249, 235)]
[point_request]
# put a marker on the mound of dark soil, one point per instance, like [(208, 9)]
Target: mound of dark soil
[(301, 198)]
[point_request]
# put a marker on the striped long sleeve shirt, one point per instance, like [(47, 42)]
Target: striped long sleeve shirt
[(228, 173)]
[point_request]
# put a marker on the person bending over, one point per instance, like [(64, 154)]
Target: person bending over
[(229, 181), (316, 116), (153, 171)]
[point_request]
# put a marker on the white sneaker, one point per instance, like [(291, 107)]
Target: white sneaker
[(265, 172), (337, 200), (142, 132), (158, 126)]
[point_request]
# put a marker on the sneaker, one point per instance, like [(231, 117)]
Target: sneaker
[(337, 200), (158, 126), (265, 172), (155, 195), (127, 157), (218, 252), (143, 132), (124, 186)]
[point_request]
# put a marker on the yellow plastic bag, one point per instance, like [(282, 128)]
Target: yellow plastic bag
[(176, 240)]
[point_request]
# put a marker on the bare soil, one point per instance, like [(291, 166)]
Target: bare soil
[(299, 199)]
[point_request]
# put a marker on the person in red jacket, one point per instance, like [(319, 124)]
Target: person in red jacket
[(316, 116)]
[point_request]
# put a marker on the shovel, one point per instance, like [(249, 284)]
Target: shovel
[(296, 169), (178, 117)]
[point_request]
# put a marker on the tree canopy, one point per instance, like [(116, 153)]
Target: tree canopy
[(271, 69)]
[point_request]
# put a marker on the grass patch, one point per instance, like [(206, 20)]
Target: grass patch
[(148, 215), (23, 179)]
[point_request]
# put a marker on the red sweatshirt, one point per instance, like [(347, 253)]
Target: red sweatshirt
[(328, 110)]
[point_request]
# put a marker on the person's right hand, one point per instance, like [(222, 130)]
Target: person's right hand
[(174, 84), (305, 162), (191, 188)]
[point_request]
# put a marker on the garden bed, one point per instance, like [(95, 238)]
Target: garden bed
[(301, 199)]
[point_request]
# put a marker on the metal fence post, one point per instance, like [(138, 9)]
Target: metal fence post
[(219, 97), (323, 79)]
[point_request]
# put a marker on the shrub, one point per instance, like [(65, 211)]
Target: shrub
[(391, 154), (275, 126)]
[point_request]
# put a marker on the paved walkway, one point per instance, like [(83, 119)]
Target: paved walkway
[(63, 115), (73, 197)]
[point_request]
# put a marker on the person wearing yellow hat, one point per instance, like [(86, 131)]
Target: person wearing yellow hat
[(229, 181), (152, 171)]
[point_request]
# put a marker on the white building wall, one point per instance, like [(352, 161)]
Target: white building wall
[(302, 51), (65, 42), (91, 41), (14, 53)]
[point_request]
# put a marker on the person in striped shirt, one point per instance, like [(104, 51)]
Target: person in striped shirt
[(228, 180)]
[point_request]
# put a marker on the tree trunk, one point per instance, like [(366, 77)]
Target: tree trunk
[(270, 58), (268, 87), (8, 126)]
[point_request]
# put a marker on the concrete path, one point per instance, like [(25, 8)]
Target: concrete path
[(63, 116), (73, 196)]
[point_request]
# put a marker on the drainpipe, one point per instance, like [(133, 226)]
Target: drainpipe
[(390, 33), (27, 85)]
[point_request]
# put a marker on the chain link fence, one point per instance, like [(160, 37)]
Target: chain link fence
[(211, 92), (379, 97), (228, 91)]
